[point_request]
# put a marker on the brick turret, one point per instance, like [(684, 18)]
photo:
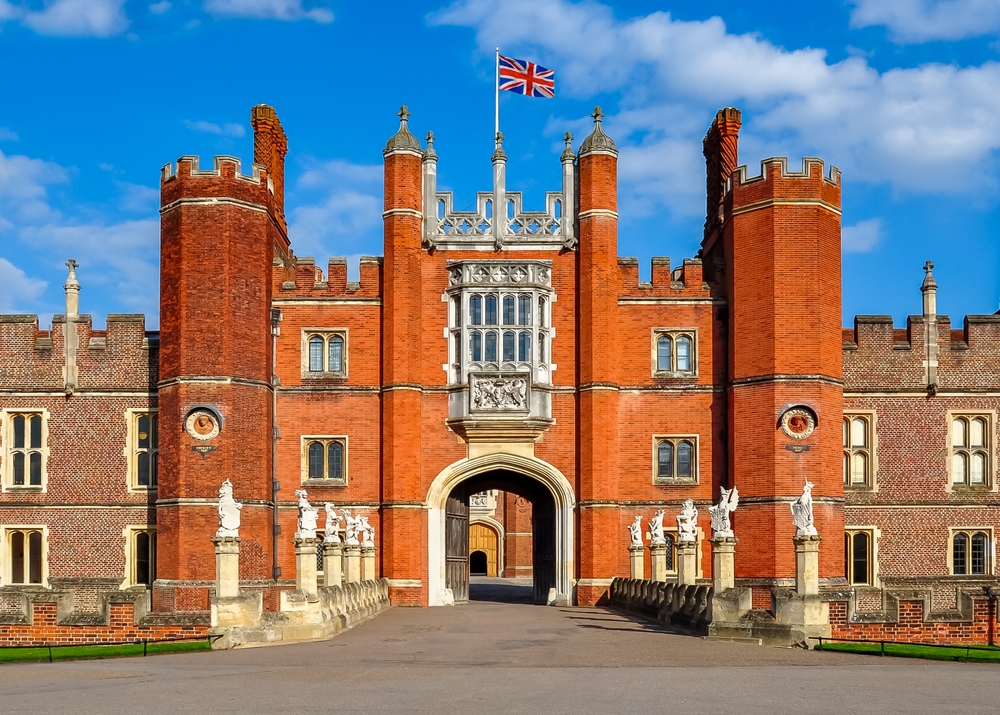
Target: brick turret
[(782, 250), (220, 230), (598, 357)]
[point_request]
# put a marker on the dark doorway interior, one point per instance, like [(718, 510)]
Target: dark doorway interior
[(477, 563)]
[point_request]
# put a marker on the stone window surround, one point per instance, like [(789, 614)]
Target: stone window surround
[(874, 533), (673, 334), (970, 530), (5, 555), (129, 533), (991, 459), (695, 459), (871, 478), (326, 334), (132, 415), (306, 440), (7, 442)]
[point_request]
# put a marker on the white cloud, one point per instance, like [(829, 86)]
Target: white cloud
[(929, 128), (79, 18), (8, 11), (346, 212), (863, 236), (158, 8), (911, 21), (139, 199), (23, 192), (6, 135), (267, 10), (17, 290), (228, 130)]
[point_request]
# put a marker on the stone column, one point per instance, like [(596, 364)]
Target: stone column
[(352, 564), (687, 563), (658, 562), (637, 558), (723, 569), (367, 563), (227, 566), (305, 566), (807, 565), (333, 564)]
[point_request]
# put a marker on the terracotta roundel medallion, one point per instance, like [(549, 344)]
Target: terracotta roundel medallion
[(798, 423), (202, 425)]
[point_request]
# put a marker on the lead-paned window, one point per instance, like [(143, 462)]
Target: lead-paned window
[(491, 310), (858, 435), (26, 555), (326, 459), (491, 346), (674, 353), (508, 346), (971, 552), (508, 310), (26, 449), (524, 310), (475, 310), (859, 556), (676, 460), (145, 450), (524, 346), (326, 354), (971, 450)]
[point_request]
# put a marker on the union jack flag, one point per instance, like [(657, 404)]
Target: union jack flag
[(526, 78)]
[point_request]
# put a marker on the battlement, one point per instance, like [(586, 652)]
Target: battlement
[(876, 333), (224, 166), (776, 167), (300, 277), (686, 280)]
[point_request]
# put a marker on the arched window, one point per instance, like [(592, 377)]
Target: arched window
[(26, 455), (146, 450), (524, 346), (336, 354), (524, 310), (336, 457), (491, 346), (970, 445), (665, 460), (25, 556), (476, 341), (857, 450), (558, 209), (316, 354), (457, 307), (960, 555), (476, 309), (664, 357), (508, 346), (859, 557), (978, 561), (671, 551), (142, 551), (683, 354), (541, 348), (315, 460), (508, 310), (491, 310), (684, 466)]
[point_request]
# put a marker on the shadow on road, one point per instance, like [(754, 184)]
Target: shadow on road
[(500, 590)]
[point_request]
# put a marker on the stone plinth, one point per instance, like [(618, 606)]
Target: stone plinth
[(687, 563), (637, 559), (658, 562), (723, 568), (333, 564), (367, 563), (806, 565), (352, 564), (305, 567), (227, 566)]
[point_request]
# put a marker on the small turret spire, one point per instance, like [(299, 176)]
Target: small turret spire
[(429, 152), (598, 140), (567, 154), (498, 153), (72, 288), (928, 283), (402, 140)]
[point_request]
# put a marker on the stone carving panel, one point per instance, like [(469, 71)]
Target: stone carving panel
[(486, 274), (498, 393)]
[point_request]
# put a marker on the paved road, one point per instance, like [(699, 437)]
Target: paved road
[(490, 657)]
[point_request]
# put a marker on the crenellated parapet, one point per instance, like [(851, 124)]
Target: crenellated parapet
[(810, 186), (300, 277), (683, 281)]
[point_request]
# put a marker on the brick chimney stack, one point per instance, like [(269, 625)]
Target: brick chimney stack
[(721, 159), (269, 148)]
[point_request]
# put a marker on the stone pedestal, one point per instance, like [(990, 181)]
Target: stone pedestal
[(227, 566), (807, 565), (723, 568), (687, 563), (305, 566), (352, 564), (658, 562), (637, 559), (333, 564), (367, 563)]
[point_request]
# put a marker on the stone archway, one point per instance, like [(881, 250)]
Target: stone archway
[(543, 474)]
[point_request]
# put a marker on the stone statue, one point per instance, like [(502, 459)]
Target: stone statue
[(802, 512), (656, 537), (352, 526), (687, 522), (721, 526), (308, 514), (367, 532), (229, 511), (635, 530), (332, 524)]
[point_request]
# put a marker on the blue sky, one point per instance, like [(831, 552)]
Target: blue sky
[(96, 95)]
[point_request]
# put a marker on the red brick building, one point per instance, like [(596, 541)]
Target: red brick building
[(500, 350)]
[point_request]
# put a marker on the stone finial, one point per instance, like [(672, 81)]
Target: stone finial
[(429, 153), (567, 154), (929, 283), (498, 153), (72, 288), (402, 140), (598, 140)]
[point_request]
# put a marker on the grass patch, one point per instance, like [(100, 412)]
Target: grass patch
[(975, 654), (80, 652)]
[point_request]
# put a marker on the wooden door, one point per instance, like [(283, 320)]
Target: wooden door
[(457, 545), (483, 538), (543, 540)]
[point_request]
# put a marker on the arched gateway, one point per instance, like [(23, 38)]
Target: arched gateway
[(553, 502)]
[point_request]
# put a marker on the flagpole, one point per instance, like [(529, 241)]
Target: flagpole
[(496, 87)]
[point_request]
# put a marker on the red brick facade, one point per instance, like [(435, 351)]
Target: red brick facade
[(760, 304)]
